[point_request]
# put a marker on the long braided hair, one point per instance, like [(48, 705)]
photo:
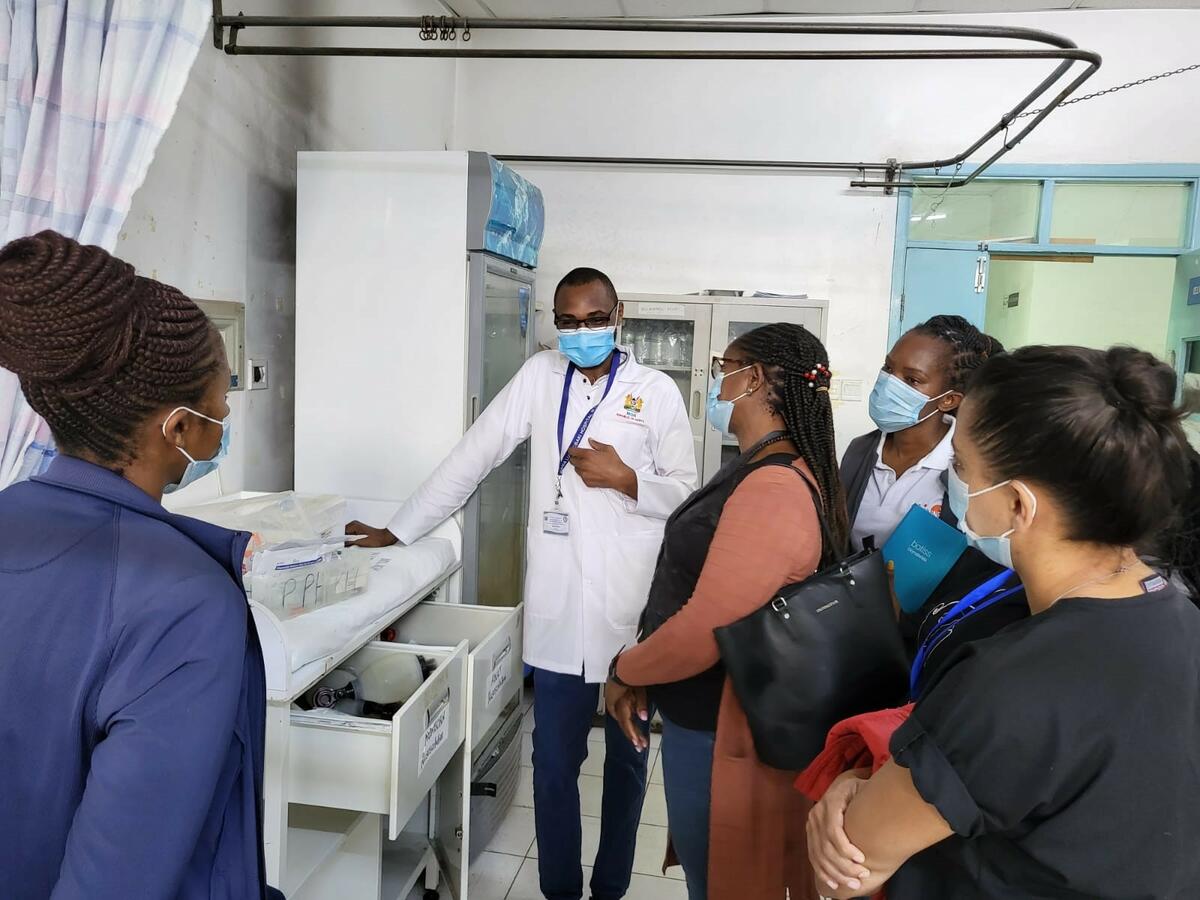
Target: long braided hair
[(968, 347), (796, 367), (97, 347)]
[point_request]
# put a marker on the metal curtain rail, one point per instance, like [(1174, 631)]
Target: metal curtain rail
[(443, 28)]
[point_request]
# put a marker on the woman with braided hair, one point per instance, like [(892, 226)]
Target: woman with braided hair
[(904, 461), (135, 757), (736, 825)]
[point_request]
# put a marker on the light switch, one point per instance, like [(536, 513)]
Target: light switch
[(852, 389), (257, 370)]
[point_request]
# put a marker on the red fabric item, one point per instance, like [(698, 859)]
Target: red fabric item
[(857, 743), (861, 742)]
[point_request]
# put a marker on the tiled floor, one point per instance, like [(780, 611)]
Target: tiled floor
[(507, 870)]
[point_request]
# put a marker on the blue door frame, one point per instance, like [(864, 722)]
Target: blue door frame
[(1049, 175)]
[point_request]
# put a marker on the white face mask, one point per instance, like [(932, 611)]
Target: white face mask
[(198, 468), (997, 548)]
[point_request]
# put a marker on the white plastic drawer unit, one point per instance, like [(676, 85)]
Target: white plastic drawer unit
[(494, 662), (375, 766)]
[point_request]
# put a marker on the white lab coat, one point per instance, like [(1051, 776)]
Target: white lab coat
[(584, 592)]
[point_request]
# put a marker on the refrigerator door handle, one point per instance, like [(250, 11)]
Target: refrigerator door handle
[(696, 407), (474, 408)]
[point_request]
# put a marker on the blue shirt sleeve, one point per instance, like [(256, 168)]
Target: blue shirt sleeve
[(166, 710)]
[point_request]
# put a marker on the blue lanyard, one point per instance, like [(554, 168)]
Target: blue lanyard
[(565, 454), (981, 598)]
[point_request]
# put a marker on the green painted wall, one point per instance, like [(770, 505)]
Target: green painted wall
[(1111, 300)]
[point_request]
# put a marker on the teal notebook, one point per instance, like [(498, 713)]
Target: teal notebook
[(924, 549)]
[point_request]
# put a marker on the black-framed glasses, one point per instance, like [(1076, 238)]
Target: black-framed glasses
[(719, 363), (592, 323)]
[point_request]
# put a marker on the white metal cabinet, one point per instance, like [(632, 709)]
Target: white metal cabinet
[(494, 667), (669, 331), (674, 338), (731, 320), (368, 765)]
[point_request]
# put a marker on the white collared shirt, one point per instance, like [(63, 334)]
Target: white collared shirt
[(888, 498), (584, 591)]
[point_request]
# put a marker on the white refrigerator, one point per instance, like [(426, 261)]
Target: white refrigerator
[(414, 306)]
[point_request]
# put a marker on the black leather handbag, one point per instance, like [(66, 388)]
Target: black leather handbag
[(820, 651)]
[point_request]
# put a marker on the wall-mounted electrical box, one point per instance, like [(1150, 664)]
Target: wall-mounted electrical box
[(229, 317)]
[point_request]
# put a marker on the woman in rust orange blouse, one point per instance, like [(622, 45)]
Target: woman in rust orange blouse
[(737, 825)]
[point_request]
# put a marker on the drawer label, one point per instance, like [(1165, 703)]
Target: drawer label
[(437, 730), (501, 672)]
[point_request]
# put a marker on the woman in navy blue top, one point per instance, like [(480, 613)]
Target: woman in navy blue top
[(132, 743)]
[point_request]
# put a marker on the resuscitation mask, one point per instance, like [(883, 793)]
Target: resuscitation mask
[(588, 347), (721, 411), (895, 406), (198, 468), (997, 548)]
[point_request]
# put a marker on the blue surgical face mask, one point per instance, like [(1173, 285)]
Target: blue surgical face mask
[(999, 547), (721, 411), (198, 468), (587, 347), (895, 406)]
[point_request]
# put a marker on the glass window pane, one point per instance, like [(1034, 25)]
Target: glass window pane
[(1121, 215), (995, 211)]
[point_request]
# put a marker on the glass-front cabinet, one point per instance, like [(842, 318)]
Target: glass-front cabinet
[(680, 334)]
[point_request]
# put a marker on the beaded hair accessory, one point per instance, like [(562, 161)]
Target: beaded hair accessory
[(817, 374)]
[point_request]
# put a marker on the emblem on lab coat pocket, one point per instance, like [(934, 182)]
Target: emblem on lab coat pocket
[(632, 411)]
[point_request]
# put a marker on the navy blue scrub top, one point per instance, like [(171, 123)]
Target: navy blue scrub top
[(131, 743)]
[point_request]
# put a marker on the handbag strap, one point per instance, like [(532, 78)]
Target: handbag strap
[(838, 557)]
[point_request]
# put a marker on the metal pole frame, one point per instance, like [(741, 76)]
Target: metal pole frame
[(1053, 47)]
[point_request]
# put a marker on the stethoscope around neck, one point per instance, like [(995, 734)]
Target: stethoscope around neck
[(987, 594)]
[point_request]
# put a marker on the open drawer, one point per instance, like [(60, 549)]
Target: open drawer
[(494, 663), (344, 762)]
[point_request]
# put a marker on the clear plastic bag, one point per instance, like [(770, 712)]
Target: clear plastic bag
[(277, 518), (291, 582)]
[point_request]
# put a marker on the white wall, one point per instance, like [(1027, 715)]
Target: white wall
[(216, 215), (657, 230)]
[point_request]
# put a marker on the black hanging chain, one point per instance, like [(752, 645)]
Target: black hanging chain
[(1119, 87)]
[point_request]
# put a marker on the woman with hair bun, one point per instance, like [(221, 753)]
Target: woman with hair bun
[(1060, 757), (133, 743)]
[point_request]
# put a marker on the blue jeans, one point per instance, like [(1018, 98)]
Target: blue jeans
[(687, 758), (563, 708)]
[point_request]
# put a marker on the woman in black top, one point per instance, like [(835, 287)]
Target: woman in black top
[(1060, 758)]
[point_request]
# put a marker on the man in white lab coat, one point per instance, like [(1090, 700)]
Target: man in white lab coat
[(611, 457)]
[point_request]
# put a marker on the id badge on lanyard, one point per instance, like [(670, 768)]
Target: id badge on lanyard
[(557, 520)]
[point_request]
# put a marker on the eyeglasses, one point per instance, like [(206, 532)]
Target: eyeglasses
[(720, 363), (592, 323)]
